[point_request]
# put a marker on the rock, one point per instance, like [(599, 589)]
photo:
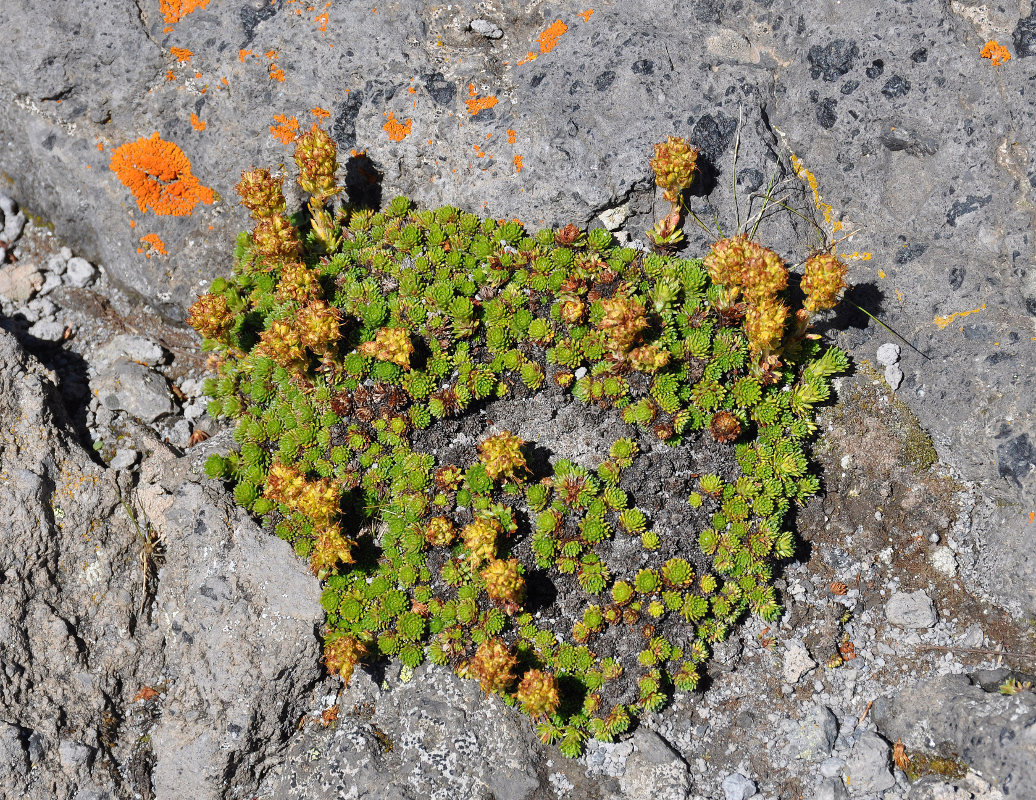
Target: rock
[(226, 629), (893, 376), (20, 282), (230, 660), (867, 767), (944, 561), (132, 347), (125, 458), (483, 27), (911, 610), (815, 736), (737, 787), (994, 734), (654, 770), (797, 662), (133, 388), (14, 220), (47, 330), (830, 789), (80, 272), (888, 354)]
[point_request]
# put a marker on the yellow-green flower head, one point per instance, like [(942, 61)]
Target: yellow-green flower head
[(764, 324), (316, 156), (390, 344), (726, 260), (502, 456), (297, 283), (342, 654), (823, 280), (674, 165), (275, 237), (261, 193), (763, 272), (623, 321), (282, 343), (319, 326), (504, 582), (480, 538), (330, 549), (210, 316), (492, 666), (538, 693), (439, 532)]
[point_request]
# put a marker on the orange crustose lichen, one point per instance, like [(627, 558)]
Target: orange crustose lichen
[(585, 14), (159, 175), (517, 164), (286, 130), (175, 10), (548, 40), (181, 54), (397, 131), (155, 245), (197, 124), (320, 113), (476, 104), (995, 52)]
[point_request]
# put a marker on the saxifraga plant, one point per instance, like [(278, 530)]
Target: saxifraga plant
[(345, 335)]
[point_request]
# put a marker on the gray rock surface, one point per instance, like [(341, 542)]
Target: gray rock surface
[(80, 272), (737, 787), (179, 673), (993, 734), (134, 388), (867, 768), (815, 736), (911, 609)]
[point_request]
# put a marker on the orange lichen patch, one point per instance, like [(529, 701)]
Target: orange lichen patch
[(273, 55), (100, 146), (517, 164), (242, 53), (175, 10), (159, 175), (476, 104), (286, 129), (224, 82), (1032, 516), (170, 76), (818, 201), (181, 54), (133, 223), (276, 73), (397, 131), (511, 136), (548, 40), (154, 245), (322, 20), (196, 123), (995, 52), (198, 75), (320, 113), (585, 14), (942, 322)]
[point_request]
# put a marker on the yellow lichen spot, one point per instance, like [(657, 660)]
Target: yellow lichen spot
[(995, 52), (942, 322), (181, 54), (286, 130), (158, 173), (397, 131), (881, 273), (196, 123), (475, 103)]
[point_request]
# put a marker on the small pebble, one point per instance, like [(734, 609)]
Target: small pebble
[(737, 787), (483, 27), (125, 458), (80, 272), (888, 354)]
